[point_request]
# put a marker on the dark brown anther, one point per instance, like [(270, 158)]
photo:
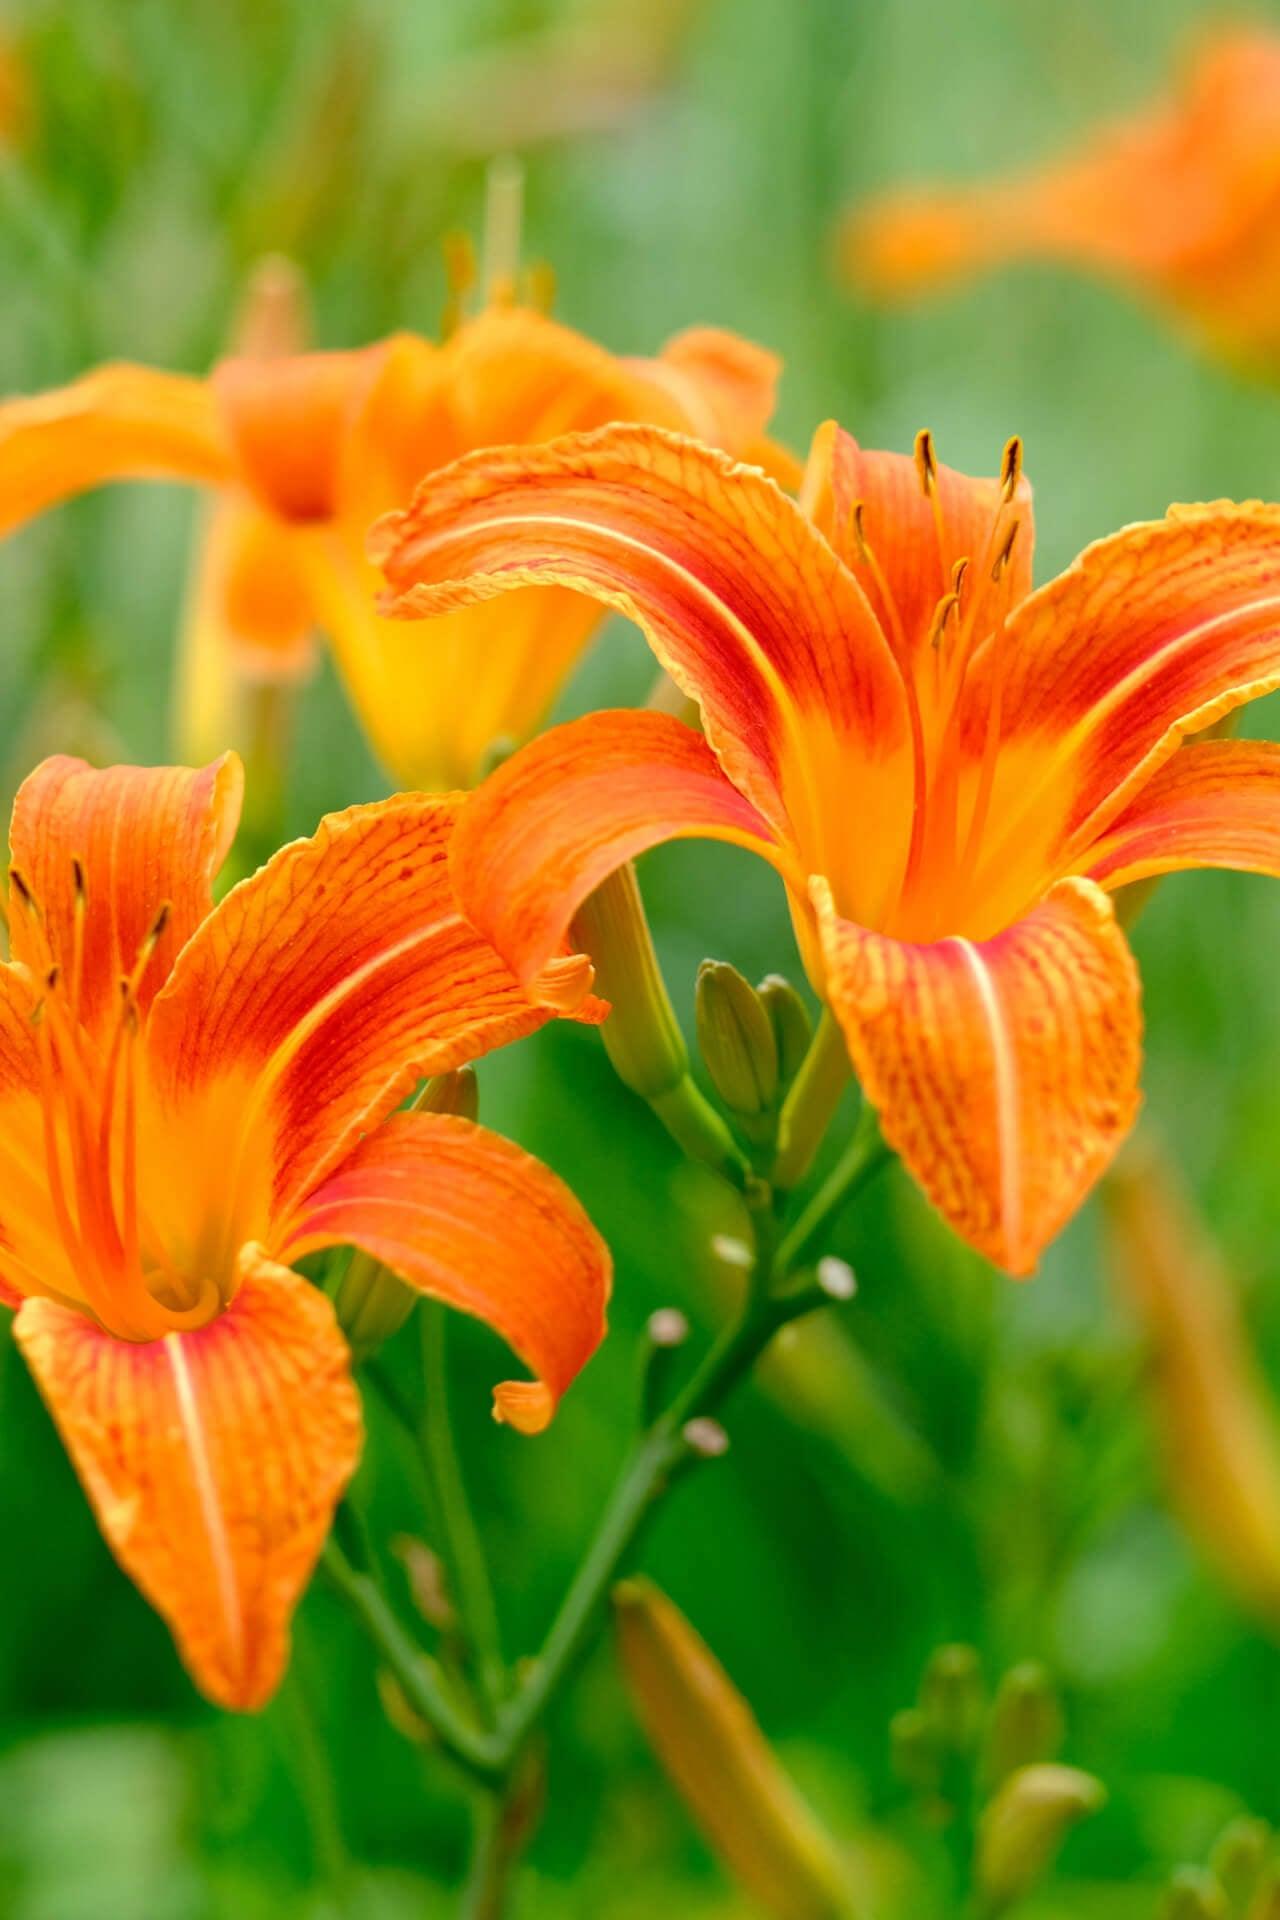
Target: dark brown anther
[(1002, 558), (942, 613), (23, 891), (926, 460), (857, 513), (1011, 468), (78, 881), (160, 922)]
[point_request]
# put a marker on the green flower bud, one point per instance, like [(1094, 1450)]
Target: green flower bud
[(1266, 1901), (641, 1036), (1023, 1826), (952, 1697), (1025, 1724), (914, 1753), (457, 1092), (1195, 1894), (710, 1745), (1238, 1857), (791, 1022), (736, 1039)]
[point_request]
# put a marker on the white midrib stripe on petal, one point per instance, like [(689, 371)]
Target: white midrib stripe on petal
[(1005, 1065), (207, 1494)]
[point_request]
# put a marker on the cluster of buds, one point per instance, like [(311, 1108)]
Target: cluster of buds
[(989, 1772), (753, 1042), (1240, 1882)]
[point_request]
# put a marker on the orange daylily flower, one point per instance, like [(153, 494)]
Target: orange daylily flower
[(308, 449), (949, 772), (194, 1097), (1181, 201)]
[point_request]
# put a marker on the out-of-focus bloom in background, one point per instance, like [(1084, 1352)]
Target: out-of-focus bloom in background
[(192, 1099), (1215, 1418), (949, 771), (1180, 201), (305, 450), (17, 106)]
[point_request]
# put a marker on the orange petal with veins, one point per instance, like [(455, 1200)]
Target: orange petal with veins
[(742, 600), (558, 817), (144, 837), (1004, 1072), (323, 988), (1152, 634), (1215, 804), (470, 1219), (213, 1461)]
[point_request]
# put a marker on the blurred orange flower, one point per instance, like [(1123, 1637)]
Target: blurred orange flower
[(196, 1097), (306, 449), (949, 771), (1181, 201), (17, 106)]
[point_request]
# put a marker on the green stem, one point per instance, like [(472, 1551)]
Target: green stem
[(861, 1160), (460, 1542), (484, 1896), (810, 1106), (315, 1781), (420, 1678), (659, 1452)]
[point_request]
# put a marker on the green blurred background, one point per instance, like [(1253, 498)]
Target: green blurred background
[(961, 1457)]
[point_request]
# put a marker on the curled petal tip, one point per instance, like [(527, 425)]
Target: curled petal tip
[(526, 1405)]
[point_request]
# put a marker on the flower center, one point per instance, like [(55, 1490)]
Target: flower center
[(89, 1101), (954, 743)]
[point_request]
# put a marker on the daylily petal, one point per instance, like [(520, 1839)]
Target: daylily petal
[(144, 837), (1154, 633), (473, 1220), (249, 616), (908, 544), (1004, 1072), (558, 817), (740, 597), (725, 388), (516, 375), (213, 1461), (436, 699), (321, 990), (286, 418), (120, 423), (1215, 804), (30, 1247)]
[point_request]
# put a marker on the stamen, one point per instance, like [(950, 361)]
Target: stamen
[(80, 914), (926, 462), (1011, 468), (948, 605), (958, 573), (18, 884), (1002, 558)]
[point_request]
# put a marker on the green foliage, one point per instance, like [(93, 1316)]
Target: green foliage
[(956, 1458)]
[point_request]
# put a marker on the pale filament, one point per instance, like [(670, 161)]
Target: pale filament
[(89, 1100)]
